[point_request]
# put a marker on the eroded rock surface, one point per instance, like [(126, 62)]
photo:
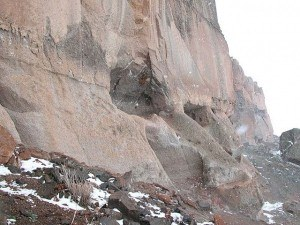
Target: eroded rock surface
[(250, 119), (7, 145), (131, 86)]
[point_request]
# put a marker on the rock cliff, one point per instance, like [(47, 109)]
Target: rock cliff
[(140, 85)]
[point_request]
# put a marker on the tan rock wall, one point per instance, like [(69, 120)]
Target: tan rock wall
[(250, 119), (83, 77)]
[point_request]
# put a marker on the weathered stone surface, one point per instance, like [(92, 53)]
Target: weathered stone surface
[(217, 124), (8, 124), (290, 145), (7, 145), (128, 222), (218, 220), (155, 221), (292, 207), (127, 206), (250, 118), (108, 221), (85, 78)]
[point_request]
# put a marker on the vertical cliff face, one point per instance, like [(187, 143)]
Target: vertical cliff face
[(129, 85), (250, 119)]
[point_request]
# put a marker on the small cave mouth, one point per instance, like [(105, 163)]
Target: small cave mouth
[(135, 90), (198, 113)]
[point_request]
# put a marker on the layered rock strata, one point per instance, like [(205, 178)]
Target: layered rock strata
[(139, 85)]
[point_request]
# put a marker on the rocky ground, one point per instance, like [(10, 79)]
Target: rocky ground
[(65, 192), (62, 191), (280, 183)]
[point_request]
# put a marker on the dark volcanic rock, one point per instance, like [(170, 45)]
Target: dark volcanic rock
[(127, 206), (290, 145)]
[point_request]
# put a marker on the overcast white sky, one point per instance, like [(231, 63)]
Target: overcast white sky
[(264, 36)]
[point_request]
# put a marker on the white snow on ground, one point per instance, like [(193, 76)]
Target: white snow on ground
[(137, 196), (13, 188), (16, 190), (275, 152), (33, 163), (120, 222), (155, 211), (3, 183), (272, 208), (267, 206), (63, 202), (4, 171), (11, 221), (94, 180), (99, 196), (177, 218), (270, 217)]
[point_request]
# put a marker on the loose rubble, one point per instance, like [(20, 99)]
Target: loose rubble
[(40, 182)]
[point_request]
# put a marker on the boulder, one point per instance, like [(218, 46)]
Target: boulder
[(7, 145), (290, 145), (126, 205)]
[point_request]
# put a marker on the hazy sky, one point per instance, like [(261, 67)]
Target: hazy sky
[(264, 36)]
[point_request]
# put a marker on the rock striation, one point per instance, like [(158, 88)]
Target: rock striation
[(137, 85)]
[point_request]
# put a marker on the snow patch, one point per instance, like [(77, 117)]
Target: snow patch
[(17, 190), (116, 210), (270, 218), (4, 171), (94, 180), (206, 223), (33, 163), (275, 153), (120, 222), (14, 189), (99, 196), (177, 217), (11, 221), (155, 211), (267, 206), (3, 183), (137, 196), (63, 202)]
